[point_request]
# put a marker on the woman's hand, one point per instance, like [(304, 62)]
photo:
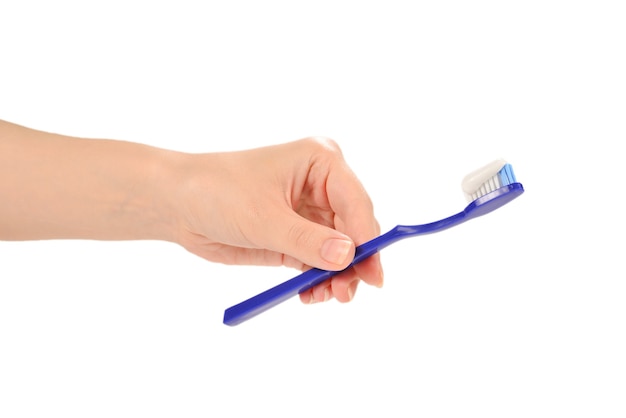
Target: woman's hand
[(297, 204)]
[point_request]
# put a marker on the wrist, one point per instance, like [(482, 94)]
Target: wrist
[(160, 205)]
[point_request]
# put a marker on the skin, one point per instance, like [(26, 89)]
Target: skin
[(296, 204)]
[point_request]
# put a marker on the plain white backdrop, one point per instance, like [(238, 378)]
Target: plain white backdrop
[(520, 313)]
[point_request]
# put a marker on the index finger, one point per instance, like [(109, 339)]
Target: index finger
[(354, 216)]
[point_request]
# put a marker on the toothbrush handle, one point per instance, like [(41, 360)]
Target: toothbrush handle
[(280, 293), (272, 297)]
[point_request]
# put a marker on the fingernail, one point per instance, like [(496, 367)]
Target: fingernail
[(336, 250), (326, 295), (352, 289)]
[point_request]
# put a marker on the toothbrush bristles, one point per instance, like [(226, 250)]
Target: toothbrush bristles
[(503, 178)]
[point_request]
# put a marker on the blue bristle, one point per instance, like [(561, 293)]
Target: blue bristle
[(506, 175)]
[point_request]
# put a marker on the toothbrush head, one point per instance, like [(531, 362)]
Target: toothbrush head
[(490, 187)]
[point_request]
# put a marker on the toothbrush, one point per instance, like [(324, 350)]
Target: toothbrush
[(487, 189)]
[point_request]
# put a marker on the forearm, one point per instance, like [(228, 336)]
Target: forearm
[(54, 186)]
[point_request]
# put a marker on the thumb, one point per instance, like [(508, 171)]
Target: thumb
[(314, 244)]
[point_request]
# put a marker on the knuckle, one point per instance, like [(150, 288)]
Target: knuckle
[(300, 236), (324, 144)]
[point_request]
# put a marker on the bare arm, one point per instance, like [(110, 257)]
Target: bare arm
[(296, 204), (55, 186)]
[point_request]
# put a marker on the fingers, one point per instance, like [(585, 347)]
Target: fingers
[(343, 287), (353, 215), (314, 244), (303, 225)]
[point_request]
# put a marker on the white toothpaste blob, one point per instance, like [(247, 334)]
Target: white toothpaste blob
[(473, 182)]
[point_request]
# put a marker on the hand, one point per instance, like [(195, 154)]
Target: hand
[(297, 204)]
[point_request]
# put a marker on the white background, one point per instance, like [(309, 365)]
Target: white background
[(520, 313)]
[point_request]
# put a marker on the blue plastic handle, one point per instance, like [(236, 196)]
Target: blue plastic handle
[(252, 307)]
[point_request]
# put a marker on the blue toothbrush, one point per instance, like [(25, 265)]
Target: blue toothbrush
[(487, 189)]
